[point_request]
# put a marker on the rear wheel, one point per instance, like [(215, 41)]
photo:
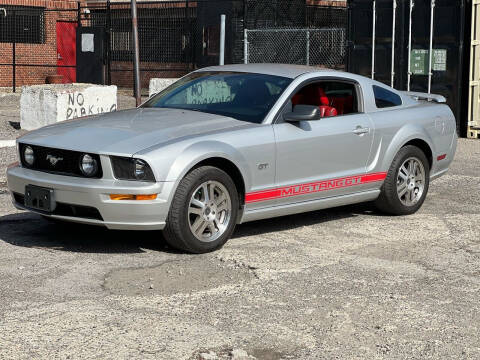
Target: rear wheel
[(203, 212), (406, 184)]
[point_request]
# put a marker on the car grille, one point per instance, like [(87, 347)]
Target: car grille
[(62, 209), (69, 164)]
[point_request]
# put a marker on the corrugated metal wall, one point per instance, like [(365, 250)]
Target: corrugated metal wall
[(473, 130)]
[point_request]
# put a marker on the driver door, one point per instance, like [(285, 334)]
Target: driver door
[(327, 157)]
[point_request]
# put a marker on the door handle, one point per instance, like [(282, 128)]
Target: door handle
[(361, 130)]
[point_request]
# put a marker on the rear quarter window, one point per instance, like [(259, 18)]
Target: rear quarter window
[(385, 98)]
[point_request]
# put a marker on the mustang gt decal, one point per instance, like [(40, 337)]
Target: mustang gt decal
[(302, 189)]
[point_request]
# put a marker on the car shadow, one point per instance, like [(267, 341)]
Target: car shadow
[(290, 222), (31, 230)]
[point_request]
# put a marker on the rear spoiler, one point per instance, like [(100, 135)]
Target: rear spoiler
[(425, 96)]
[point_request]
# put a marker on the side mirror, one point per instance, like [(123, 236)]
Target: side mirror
[(303, 113)]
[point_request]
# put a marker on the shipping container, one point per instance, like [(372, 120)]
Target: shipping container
[(428, 52), (473, 130)]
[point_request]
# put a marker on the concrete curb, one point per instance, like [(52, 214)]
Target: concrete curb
[(7, 143)]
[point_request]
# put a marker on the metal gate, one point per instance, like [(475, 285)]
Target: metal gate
[(91, 55), (317, 47), (425, 53)]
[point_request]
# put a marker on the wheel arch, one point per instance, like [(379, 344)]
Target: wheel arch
[(230, 168), (211, 153), (424, 146), (409, 135)]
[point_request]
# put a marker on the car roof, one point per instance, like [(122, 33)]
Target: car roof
[(285, 70)]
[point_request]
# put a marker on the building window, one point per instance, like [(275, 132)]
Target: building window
[(22, 24), (160, 33)]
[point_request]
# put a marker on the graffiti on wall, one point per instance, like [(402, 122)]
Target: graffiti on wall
[(80, 105)]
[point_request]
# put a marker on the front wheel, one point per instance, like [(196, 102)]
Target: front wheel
[(203, 212), (406, 184)]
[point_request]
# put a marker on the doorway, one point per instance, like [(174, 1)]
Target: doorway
[(66, 50)]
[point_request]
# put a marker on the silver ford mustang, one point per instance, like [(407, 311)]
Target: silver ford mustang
[(231, 144)]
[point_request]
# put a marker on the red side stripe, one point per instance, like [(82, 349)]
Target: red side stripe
[(308, 188)]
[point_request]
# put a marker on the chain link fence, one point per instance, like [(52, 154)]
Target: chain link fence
[(296, 32), (175, 37), (316, 47)]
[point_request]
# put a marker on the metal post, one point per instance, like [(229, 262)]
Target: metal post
[(14, 45), (430, 48), (308, 47), (109, 43), (409, 66), (191, 38), (245, 46), (392, 79), (79, 14), (136, 54), (373, 37), (222, 39)]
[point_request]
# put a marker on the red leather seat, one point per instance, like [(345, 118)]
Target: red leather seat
[(343, 104), (314, 95), (325, 109)]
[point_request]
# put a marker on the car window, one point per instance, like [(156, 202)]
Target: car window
[(242, 96), (334, 98), (385, 98)]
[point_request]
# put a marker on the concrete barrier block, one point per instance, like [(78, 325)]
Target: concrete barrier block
[(157, 85), (42, 105)]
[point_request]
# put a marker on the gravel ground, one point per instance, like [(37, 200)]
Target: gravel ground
[(9, 116), (343, 283)]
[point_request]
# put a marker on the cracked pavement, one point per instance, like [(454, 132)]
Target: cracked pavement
[(344, 283)]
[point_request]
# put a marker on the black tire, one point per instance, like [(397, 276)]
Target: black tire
[(177, 231), (389, 201)]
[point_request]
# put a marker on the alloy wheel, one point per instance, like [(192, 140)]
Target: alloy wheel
[(410, 181), (209, 211)]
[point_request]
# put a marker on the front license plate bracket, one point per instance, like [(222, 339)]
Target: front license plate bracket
[(39, 198)]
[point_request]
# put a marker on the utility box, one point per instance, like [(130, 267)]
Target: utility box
[(415, 38)]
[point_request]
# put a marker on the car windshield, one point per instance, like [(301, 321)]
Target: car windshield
[(242, 96)]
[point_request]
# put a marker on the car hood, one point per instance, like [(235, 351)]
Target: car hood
[(128, 132)]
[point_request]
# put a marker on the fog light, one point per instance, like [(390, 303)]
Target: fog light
[(88, 165), (28, 156)]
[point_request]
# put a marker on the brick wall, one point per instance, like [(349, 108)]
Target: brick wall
[(45, 53), (122, 74)]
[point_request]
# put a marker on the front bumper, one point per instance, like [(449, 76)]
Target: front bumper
[(95, 193)]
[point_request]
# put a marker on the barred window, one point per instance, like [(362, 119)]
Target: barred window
[(22, 24)]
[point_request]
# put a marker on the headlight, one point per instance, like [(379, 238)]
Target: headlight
[(28, 156), (131, 169), (141, 168), (88, 165)]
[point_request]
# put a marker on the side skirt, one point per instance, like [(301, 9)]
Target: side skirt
[(305, 206)]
